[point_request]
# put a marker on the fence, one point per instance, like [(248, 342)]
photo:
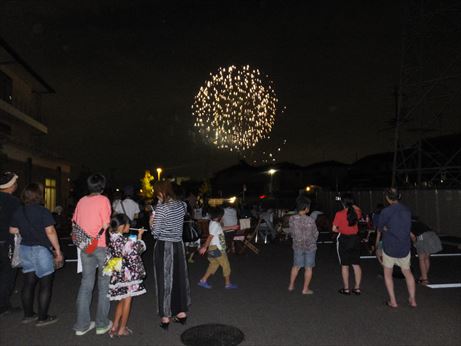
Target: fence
[(440, 209)]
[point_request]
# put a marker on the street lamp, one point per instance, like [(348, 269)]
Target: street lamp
[(159, 172), (271, 173)]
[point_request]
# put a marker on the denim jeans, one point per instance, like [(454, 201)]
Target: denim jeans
[(89, 265)]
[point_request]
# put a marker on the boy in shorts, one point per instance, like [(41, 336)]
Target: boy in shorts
[(215, 245)]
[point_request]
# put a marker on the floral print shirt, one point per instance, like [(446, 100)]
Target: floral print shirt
[(129, 269), (304, 233)]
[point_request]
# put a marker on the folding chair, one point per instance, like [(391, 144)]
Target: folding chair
[(263, 231), (245, 236)]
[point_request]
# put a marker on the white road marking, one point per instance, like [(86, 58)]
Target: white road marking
[(457, 285), (433, 255)]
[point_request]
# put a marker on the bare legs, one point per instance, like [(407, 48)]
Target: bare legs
[(122, 312), (345, 276), (293, 275), (424, 265), (307, 279), (410, 281), (357, 275), (389, 282)]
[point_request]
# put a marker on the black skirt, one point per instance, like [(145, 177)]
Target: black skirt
[(171, 278), (348, 247)]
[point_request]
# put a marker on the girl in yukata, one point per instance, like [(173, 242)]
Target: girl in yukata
[(126, 270)]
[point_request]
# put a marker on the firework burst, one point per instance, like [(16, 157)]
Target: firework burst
[(235, 108)]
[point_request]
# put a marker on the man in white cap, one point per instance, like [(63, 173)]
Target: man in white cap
[(8, 205)]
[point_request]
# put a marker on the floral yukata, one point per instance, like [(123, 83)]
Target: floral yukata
[(124, 266)]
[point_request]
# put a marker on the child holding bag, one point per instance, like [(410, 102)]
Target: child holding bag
[(126, 270), (216, 247)]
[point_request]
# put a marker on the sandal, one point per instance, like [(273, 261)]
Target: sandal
[(389, 305), (344, 291), (126, 332), (356, 291), (113, 332), (423, 282)]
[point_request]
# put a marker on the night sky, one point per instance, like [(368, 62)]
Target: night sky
[(126, 73)]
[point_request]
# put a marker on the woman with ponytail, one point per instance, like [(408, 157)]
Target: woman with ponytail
[(348, 243)]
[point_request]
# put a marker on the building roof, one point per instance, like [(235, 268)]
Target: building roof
[(9, 57)]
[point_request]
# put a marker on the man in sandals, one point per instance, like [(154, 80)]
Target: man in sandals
[(395, 225)]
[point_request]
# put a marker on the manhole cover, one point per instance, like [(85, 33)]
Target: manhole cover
[(212, 335)]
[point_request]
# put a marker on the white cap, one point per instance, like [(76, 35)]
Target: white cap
[(7, 179)]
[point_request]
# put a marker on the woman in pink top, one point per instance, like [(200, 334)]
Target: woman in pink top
[(91, 214)]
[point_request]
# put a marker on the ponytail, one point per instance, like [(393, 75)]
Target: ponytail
[(352, 217), (116, 221)]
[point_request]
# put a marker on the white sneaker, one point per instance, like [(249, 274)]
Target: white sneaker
[(104, 330), (83, 332)]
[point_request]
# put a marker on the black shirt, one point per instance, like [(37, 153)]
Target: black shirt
[(418, 227), (32, 220), (8, 205)]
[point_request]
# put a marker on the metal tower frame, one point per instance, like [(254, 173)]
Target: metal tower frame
[(430, 83)]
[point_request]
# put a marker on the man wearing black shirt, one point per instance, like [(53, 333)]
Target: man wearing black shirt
[(8, 205)]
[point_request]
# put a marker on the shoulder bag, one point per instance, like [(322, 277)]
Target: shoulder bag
[(190, 231), (83, 241)]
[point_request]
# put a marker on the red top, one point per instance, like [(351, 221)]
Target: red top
[(341, 223), (91, 214)]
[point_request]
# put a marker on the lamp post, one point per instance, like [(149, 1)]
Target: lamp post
[(271, 173), (159, 172)]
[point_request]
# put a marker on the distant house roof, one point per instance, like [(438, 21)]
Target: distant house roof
[(9, 57)]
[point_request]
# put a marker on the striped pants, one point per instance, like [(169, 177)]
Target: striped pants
[(171, 278)]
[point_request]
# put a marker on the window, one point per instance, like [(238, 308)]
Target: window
[(50, 194), (6, 88)]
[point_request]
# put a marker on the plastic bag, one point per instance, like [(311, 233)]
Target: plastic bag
[(16, 259)]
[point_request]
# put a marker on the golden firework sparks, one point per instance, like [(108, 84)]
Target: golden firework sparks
[(235, 108)]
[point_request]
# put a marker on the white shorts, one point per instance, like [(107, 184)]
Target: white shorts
[(390, 262)]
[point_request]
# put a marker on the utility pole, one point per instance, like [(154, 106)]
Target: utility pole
[(398, 101)]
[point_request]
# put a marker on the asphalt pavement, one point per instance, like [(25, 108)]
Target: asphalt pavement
[(264, 310)]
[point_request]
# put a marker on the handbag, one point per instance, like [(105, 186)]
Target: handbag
[(83, 241), (190, 231), (16, 258)]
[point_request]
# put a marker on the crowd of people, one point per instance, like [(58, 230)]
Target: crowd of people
[(115, 258)]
